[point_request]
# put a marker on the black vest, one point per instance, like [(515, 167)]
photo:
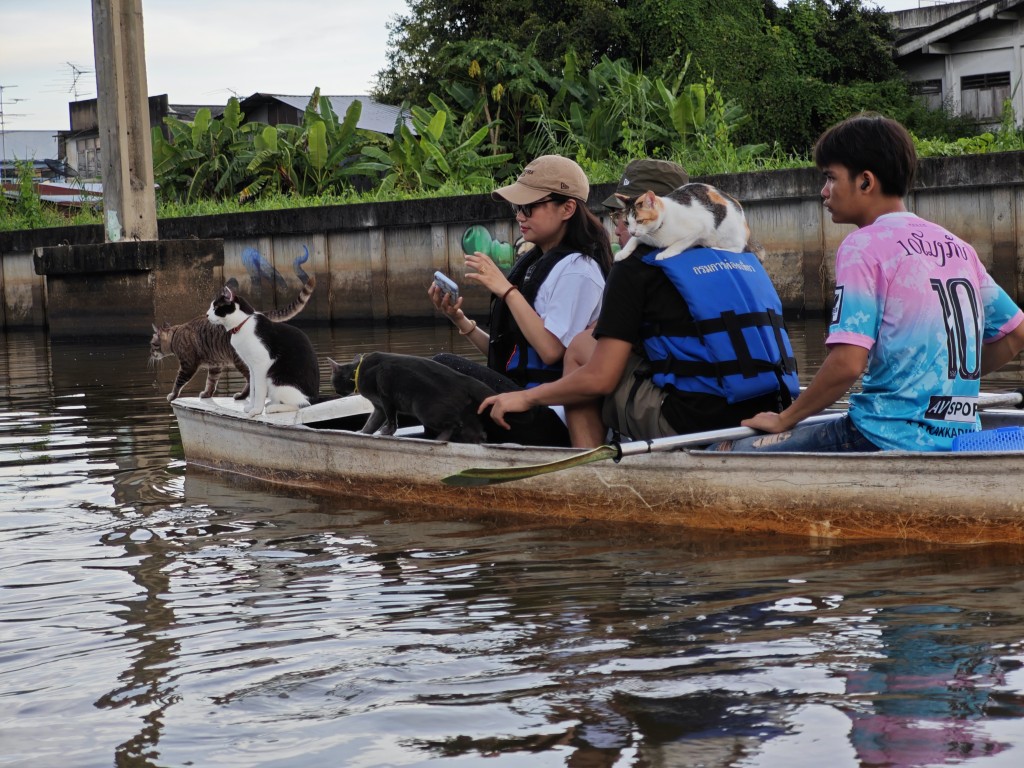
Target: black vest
[(527, 274)]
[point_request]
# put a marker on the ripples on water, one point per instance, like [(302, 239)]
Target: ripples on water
[(151, 615)]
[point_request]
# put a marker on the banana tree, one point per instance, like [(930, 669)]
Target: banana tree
[(328, 148), (603, 111), (433, 153), (704, 119), (204, 158), (271, 166)]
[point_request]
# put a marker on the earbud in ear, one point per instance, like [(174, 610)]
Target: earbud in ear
[(865, 184)]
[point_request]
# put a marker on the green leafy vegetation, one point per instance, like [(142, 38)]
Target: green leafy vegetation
[(599, 81), (24, 209)]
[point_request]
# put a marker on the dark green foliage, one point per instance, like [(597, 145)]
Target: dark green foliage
[(418, 60), (793, 69), (499, 85)]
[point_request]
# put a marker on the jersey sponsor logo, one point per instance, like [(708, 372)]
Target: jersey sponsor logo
[(949, 408), (837, 305)]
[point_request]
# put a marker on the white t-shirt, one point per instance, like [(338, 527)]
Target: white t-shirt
[(569, 299)]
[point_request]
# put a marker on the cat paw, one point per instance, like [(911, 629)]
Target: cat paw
[(172, 397), (626, 250)]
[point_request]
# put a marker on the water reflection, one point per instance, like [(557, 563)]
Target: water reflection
[(153, 615)]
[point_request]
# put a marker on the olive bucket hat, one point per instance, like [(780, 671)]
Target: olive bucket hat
[(658, 176)]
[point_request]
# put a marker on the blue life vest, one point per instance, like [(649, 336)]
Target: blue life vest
[(736, 346), (535, 372)]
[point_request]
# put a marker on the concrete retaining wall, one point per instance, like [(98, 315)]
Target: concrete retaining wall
[(373, 261)]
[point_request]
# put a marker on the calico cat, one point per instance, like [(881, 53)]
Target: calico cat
[(281, 360), (693, 214), (444, 401), (199, 344)]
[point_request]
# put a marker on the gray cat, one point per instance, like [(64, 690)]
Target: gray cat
[(442, 400)]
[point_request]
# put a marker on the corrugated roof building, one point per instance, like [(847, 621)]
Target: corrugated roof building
[(274, 109)]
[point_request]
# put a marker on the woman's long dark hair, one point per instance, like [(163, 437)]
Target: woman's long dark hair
[(585, 233)]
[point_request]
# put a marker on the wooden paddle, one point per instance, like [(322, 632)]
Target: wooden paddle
[(479, 476)]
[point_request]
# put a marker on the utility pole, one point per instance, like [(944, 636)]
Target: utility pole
[(129, 197), (86, 283), (3, 130)]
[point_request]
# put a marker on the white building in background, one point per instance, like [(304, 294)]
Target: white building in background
[(966, 55)]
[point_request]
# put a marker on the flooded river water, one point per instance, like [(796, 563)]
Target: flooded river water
[(153, 615)]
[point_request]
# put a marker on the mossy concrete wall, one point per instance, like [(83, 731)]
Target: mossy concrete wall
[(118, 288), (374, 261)]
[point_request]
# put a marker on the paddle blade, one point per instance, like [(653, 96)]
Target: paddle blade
[(475, 477)]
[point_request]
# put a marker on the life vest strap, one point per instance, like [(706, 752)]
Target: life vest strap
[(693, 368), (691, 327)]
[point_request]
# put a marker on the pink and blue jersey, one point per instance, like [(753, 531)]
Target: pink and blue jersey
[(919, 299)]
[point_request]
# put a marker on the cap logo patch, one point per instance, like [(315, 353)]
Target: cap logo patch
[(563, 185)]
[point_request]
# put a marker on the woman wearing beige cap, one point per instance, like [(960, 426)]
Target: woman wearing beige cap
[(551, 294)]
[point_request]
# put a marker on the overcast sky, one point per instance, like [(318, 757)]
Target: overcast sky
[(197, 51), (201, 51)]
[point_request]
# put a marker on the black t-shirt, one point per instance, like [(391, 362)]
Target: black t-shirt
[(639, 295)]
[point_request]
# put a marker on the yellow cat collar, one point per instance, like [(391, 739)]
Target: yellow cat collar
[(355, 376)]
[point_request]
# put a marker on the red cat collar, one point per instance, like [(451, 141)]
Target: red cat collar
[(237, 327)]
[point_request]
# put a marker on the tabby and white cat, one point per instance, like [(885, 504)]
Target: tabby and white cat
[(693, 214), (283, 371), (199, 344)]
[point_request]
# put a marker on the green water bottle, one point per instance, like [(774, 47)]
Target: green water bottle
[(477, 238)]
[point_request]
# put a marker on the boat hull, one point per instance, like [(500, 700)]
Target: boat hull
[(940, 497)]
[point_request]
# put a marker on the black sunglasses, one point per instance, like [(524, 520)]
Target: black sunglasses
[(527, 210)]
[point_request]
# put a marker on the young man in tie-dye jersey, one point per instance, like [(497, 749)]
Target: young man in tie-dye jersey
[(915, 311)]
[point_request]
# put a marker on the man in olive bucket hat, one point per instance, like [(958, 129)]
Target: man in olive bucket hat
[(658, 176), (607, 381)]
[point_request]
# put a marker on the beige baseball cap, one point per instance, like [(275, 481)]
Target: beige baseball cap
[(548, 174), (658, 176)]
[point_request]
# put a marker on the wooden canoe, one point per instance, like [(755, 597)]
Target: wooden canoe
[(964, 497)]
